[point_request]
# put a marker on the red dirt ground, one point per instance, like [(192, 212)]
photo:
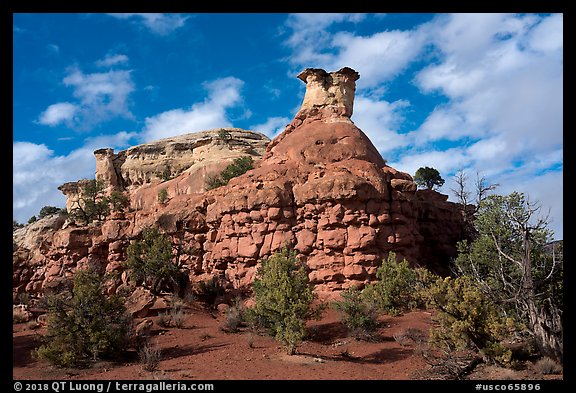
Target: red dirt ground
[(201, 350)]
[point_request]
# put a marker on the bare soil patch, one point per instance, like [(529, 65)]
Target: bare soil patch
[(201, 350)]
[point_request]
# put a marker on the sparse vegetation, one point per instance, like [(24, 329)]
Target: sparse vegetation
[(210, 290), (399, 286), (234, 317), (92, 203), (150, 262), (119, 201), (17, 225), (548, 366), (359, 313), (283, 299), (514, 263), (85, 325), (48, 211), (225, 135), (150, 356), (162, 195), (467, 319), (238, 167), (177, 315)]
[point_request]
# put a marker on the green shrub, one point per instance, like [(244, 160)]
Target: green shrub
[(359, 313), (48, 211), (119, 201), (163, 195), (226, 136), (214, 181), (150, 261), (92, 203), (398, 286), (466, 318), (283, 299), (238, 167), (86, 325)]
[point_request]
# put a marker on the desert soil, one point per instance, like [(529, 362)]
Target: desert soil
[(201, 350)]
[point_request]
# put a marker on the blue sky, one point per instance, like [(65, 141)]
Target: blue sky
[(479, 92)]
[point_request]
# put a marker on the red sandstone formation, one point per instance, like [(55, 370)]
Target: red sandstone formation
[(321, 188)]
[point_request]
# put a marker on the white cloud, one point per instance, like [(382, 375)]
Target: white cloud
[(309, 37), (508, 96), (546, 189), (445, 161), (100, 97), (310, 27), (223, 94), (272, 127), (37, 172), (161, 24), (379, 119), (548, 36), (378, 57), (62, 112), (112, 60)]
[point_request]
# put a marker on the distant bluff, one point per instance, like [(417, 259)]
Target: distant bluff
[(320, 187)]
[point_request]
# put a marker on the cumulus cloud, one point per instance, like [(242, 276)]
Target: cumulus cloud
[(37, 171), (55, 114), (161, 24), (378, 57), (445, 161), (503, 75), (380, 119), (272, 127), (112, 60), (222, 95), (99, 98)]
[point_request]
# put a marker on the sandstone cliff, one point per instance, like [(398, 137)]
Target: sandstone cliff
[(321, 188)]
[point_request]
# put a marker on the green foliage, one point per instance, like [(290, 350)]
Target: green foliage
[(238, 167), (224, 135), (283, 299), (358, 313), (214, 181), (16, 225), (32, 219), (399, 285), (162, 195), (166, 174), (516, 266), (119, 201), (466, 318), (48, 211), (150, 261), (428, 178), (86, 326), (92, 203)]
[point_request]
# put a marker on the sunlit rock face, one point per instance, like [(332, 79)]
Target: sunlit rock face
[(320, 188)]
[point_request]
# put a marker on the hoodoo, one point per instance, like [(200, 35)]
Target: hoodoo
[(321, 188)]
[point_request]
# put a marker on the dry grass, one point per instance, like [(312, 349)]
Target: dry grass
[(150, 356), (548, 366)]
